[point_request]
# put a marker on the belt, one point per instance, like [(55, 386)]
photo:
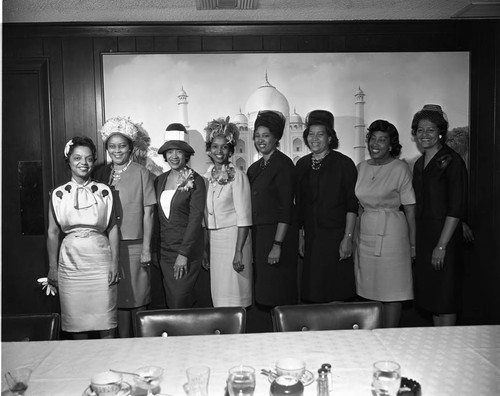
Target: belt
[(380, 227)]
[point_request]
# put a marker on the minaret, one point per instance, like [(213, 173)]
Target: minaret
[(359, 127), (183, 108)]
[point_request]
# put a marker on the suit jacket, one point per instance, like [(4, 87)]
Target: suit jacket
[(182, 232), (273, 190)]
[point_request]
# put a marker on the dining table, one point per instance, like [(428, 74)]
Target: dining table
[(460, 360)]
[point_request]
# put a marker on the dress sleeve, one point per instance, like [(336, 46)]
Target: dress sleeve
[(242, 199), (285, 193), (406, 192), (457, 186), (349, 184), (148, 189), (196, 212)]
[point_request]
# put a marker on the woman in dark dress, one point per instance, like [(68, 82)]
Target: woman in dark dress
[(181, 195), (440, 184), (327, 213), (274, 232)]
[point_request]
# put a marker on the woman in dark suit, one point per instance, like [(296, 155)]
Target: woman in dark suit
[(274, 232), (327, 213), (181, 196), (440, 183)]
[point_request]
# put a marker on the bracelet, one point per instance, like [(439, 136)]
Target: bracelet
[(441, 247), (277, 243), (412, 246), (349, 235)]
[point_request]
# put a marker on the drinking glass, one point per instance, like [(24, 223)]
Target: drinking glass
[(17, 379), (241, 381), (386, 378), (198, 377), (149, 378)]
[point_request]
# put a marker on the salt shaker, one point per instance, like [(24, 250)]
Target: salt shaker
[(328, 368), (322, 382)]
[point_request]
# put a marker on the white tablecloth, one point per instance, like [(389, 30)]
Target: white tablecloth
[(446, 361)]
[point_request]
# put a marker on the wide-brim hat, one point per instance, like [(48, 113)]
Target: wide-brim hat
[(119, 125), (176, 127), (176, 144), (273, 120)]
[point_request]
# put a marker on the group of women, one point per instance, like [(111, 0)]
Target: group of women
[(358, 230)]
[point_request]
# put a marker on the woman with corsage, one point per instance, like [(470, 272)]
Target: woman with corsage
[(274, 230), (84, 266), (327, 213), (386, 237), (133, 190), (181, 196), (228, 218), (440, 183)]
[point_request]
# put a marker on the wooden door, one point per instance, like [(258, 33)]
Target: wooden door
[(26, 180)]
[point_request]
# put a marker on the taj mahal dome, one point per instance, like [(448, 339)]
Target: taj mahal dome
[(265, 97)]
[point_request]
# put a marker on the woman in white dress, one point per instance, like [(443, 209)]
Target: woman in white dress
[(86, 268), (386, 243), (228, 218)]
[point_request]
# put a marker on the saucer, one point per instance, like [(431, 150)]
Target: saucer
[(126, 390), (307, 378)]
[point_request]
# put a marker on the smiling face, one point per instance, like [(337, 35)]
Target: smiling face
[(264, 140), (119, 149), (427, 134), (176, 158), (220, 151), (379, 145), (318, 139), (81, 162)]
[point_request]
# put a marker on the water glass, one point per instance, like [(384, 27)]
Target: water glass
[(241, 381), (198, 377), (386, 378), (17, 379)]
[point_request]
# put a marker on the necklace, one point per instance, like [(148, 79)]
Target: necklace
[(376, 172), (117, 173), (263, 164), (316, 162)]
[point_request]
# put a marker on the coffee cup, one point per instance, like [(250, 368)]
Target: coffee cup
[(293, 367), (107, 383)]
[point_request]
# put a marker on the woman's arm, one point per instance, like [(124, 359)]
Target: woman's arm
[(275, 253), (439, 251), (148, 221), (238, 250), (53, 233), (114, 240), (345, 248), (412, 227)]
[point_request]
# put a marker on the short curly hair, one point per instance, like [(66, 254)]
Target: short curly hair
[(438, 118), (390, 129), (81, 141)]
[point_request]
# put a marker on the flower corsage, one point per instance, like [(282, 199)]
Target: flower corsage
[(224, 176), (49, 289), (185, 182)]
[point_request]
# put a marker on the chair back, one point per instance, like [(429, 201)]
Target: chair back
[(194, 321), (331, 316), (31, 327)]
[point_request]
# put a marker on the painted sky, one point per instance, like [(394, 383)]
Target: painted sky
[(145, 87)]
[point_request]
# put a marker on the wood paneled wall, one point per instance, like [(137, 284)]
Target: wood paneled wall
[(73, 52)]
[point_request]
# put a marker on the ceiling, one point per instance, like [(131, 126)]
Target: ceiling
[(123, 11)]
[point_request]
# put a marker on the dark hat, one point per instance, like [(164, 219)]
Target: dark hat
[(320, 117), (274, 120), (176, 127), (176, 144)]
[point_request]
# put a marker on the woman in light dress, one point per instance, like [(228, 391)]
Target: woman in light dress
[(135, 198), (228, 218), (386, 238), (86, 268)]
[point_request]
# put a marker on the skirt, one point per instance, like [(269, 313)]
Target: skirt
[(88, 303), (135, 286), (229, 288)]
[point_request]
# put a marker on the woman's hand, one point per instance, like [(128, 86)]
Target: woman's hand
[(52, 277), (413, 253), (113, 275), (238, 261), (302, 244), (180, 266), (438, 255), (145, 258), (274, 255), (345, 248), (205, 263)]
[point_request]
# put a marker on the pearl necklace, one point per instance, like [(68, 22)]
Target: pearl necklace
[(316, 162), (117, 173)]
